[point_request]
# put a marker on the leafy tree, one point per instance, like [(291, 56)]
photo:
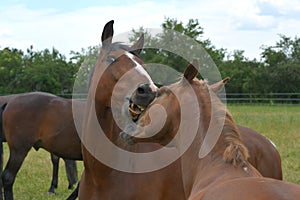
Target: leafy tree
[(282, 63), (85, 62), (11, 68), (245, 75), (46, 70), (175, 41)]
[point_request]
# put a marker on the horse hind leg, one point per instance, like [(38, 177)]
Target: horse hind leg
[(9, 174), (54, 182), (71, 171), (2, 139), (74, 194)]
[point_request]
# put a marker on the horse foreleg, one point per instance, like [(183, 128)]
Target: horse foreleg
[(54, 182), (9, 174), (71, 171)]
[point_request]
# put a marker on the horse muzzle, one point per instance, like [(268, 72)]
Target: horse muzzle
[(140, 99)]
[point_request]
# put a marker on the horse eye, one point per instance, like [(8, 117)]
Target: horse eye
[(161, 91), (158, 94), (110, 59)]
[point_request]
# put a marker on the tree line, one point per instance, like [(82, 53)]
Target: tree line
[(276, 71)]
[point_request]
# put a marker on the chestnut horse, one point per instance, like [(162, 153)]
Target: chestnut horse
[(263, 155), (38, 120), (214, 161), (117, 73), (70, 165)]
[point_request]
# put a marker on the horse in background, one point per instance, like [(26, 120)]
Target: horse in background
[(39, 120), (215, 164), (70, 165)]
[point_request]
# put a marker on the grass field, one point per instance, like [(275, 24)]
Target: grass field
[(34, 177), (279, 123)]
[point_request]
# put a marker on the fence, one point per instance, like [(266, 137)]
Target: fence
[(257, 98), (242, 98), (234, 98)]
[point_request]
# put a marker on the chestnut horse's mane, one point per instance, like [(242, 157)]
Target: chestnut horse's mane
[(235, 151)]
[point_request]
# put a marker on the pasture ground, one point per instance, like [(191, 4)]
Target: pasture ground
[(279, 123)]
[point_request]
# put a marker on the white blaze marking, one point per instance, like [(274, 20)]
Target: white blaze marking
[(141, 70)]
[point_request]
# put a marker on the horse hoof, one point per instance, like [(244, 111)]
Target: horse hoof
[(70, 187)]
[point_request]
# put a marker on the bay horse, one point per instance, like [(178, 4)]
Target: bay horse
[(117, 73), (214, 159), (38, 120), (70, 165)]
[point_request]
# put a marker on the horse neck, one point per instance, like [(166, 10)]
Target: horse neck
[(228, 152), (96, 112)]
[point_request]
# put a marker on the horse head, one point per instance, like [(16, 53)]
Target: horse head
[(185, 110), (119, 69)]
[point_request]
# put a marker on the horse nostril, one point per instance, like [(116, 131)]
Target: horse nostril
[(140, 90)]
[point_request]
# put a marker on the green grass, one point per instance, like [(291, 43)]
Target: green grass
[(34, 178), (279, 123)]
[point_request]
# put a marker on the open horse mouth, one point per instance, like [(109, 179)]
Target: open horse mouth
[(139, 100), (135, 110)]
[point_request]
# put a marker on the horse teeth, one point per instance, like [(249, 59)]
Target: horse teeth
[(141, 107)]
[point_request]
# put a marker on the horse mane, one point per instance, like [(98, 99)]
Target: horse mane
[(235, 151)]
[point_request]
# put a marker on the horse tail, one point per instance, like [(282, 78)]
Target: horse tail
[(2, 139)]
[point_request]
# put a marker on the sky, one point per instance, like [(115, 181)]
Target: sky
[(70, 25)]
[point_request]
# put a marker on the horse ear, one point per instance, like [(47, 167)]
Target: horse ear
[(191, 70), (107, 34), (216, 87), (138, 46)]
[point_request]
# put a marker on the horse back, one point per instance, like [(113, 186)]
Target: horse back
[(258, 188), (42, 120), (23, 114), (263, 154)]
